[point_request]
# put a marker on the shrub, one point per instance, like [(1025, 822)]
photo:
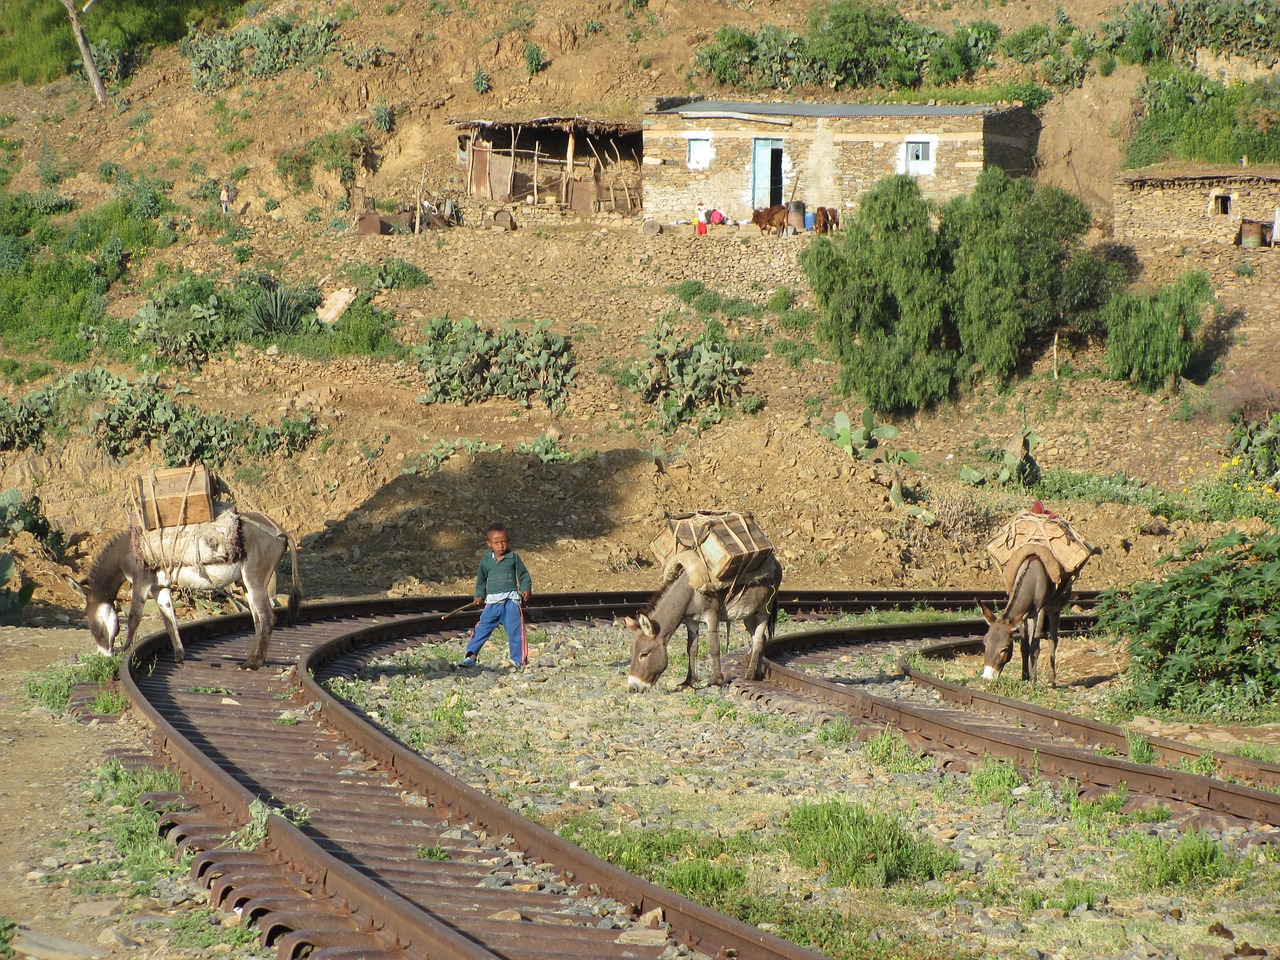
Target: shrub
[(464, 363), (218, 61), (187, 337), (14, 595), (880, 287), (535, 59), (1151, 337), (686, 381), (481, 82), (1205, 639), (19, 514)]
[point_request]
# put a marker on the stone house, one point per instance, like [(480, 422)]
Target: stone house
[(735, 156), (1196, 204)]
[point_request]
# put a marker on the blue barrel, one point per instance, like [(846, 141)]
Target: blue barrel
[(808, 221)]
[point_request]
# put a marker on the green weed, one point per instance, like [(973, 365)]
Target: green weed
[(860, 848), (52, 690), (889, 749), (994, 780)]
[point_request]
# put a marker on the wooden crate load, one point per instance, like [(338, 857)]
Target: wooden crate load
[(714, 546), (173, 497), (177, 522), (1044, 535)]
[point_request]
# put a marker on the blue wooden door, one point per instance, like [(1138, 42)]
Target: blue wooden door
[(766, 172)]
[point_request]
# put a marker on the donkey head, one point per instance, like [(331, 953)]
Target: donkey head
[(997, 645), (104, 620), (648, 653)]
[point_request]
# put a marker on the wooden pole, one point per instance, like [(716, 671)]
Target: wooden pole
[(417, 207), (599, 160), (86, 55), (511, 180), (568, 170), (537, 145), (471, 161)]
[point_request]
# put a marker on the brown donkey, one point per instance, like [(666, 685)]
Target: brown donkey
[(754, 601), (1033, 612)]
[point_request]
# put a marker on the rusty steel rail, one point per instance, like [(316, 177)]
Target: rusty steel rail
[(347, 882), (1034, 738)]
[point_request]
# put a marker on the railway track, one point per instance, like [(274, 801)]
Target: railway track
[(374, 852)]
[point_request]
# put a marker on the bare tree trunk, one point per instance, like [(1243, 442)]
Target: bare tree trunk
[(90, 68)]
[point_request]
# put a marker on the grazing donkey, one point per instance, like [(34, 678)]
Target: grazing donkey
[(262, 543), (1033, 612), (754, 601)]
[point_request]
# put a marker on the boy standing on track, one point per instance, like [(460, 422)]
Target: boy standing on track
[(502, 585)]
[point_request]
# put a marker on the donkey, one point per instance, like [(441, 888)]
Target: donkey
[(263, 543), (754, 601), (1033, 613)]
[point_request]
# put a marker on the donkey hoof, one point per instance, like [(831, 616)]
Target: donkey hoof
[(251, 665), (717, 680)]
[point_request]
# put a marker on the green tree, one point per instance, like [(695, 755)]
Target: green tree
[(1009, 242), (881, 287)]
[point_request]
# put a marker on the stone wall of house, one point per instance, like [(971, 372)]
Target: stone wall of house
[(827, 161), (1163, 210)]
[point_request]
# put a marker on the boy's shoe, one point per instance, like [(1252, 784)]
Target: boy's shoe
[(467, 662), (513, 664)]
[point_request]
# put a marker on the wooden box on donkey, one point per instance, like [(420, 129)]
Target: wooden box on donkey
[(174, 497), (729, 543)]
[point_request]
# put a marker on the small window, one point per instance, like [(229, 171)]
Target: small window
[(918, 156), (917, 151), (1222, 204), (699, 153)]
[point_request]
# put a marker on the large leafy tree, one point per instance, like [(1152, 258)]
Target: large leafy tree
[(881, 287), (1009, 242), (912, 311)]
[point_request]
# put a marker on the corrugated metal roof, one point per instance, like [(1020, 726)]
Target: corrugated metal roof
[(796, 109)]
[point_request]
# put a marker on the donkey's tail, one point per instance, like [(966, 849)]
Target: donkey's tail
[(295, 592), (773, 601)]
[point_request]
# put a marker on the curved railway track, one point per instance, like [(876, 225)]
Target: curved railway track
[(396, 859)]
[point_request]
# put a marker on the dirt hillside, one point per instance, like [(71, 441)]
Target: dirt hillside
[(371, 520)]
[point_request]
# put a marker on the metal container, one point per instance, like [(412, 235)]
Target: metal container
[(795, 216)]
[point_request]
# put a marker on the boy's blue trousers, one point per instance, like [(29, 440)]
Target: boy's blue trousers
[(511, 616)]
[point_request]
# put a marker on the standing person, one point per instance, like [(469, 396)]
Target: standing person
[(700, 218), (225, 197), (502, 585)]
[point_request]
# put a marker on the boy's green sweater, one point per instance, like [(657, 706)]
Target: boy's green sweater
[(502, 576)]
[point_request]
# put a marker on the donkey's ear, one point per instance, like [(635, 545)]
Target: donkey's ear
[(987, 612), (76, 585), (647, 626), (630, 624)]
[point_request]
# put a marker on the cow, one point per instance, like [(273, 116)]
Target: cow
[(770, 218)]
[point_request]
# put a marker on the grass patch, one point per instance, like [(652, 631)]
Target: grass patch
[(889, 749), (859, 848), (52, 689), (1193, 861), (994, 781), (142, 855)]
